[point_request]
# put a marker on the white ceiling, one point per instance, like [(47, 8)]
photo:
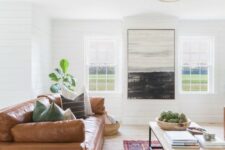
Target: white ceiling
[(117, 9)]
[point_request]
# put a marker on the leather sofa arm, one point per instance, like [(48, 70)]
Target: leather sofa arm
[(50, 132), (97, 105)]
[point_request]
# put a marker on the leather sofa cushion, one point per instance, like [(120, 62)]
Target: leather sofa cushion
[(94, 127), (11, 116), (53, 132), (97, 105)]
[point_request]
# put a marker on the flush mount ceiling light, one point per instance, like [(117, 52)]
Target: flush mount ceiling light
[(168, 1)]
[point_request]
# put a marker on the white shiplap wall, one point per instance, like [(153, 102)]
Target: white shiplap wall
[(41, 51), (15, 43), (18, 61)]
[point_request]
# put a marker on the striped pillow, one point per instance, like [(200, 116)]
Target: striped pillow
[(76, 105)]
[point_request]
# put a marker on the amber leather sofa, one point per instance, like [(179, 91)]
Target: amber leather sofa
[(16, 126)]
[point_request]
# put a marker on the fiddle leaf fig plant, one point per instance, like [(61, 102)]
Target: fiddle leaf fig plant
[(61, 77)]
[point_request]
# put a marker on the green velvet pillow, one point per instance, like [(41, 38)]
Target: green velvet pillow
[(52, 113), (38, 110)]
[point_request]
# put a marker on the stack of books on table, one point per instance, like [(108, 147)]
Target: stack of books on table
[(217, 143), (181, 140)]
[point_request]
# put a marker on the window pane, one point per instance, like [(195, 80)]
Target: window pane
[(110, 84), (92, 70), (101, 72), (92, 78), (110, 70), (195, 79), (204, 79), (101, 84), (186, 79), (92, 84), (110, 78)]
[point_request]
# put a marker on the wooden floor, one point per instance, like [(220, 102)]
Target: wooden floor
[(140, 132)]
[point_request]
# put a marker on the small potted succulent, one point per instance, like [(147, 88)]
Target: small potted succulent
[(173, 121)]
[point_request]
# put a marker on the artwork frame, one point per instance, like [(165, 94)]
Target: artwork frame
[(141, 81)]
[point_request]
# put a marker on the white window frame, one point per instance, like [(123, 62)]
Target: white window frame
[(210, 66), (116, 40)]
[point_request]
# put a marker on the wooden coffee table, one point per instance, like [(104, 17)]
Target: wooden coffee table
[(159, 134)]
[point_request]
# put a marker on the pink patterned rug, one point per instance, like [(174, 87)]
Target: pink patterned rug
[(138, 145)]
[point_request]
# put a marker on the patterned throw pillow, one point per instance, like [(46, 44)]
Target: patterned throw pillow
[(77, 105), (52, 113), (38, 110)]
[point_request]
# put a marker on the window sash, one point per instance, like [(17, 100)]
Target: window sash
[(208, 64), (112, 63), (106, 78)]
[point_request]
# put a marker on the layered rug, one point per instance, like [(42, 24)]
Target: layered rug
[(138, 145)]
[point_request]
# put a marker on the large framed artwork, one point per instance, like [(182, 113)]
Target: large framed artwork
[(151, 63)]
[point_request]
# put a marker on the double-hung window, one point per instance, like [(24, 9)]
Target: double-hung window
[(102, 63), (196, 64)]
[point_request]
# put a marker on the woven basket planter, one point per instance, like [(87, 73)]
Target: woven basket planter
[(111, 129)]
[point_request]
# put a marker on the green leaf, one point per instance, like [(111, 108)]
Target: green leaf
[(64, 64), (73, 82), (69, 75), (68, 80), (55, 88), (54, 77), (71, 79), (59, 72)]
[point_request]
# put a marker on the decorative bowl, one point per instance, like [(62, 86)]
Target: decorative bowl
[(173, 126)]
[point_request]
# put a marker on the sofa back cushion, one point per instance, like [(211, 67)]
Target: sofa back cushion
[(53, 98), (50, 132), (11, 116)]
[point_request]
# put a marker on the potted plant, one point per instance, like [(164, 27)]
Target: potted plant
[(61, 78)]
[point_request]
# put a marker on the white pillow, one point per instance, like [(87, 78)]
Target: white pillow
[(87, 103), (65, 92), (68, 114)]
